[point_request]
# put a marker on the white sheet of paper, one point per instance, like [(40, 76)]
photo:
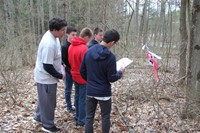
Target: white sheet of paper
[(124, 62)]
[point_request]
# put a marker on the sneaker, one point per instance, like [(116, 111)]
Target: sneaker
[(70, 110), (79, 125), (37, 121), (73, 108), (52, 129)]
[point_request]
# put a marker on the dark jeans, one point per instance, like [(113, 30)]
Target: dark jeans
[(80, 95), (68, 90), (91, 104)]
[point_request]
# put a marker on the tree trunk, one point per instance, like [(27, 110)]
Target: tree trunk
[(50, 9), (104, 14), (65, 9), (193, 91), (169, 44), (142, 21), (146, 21), (129, 24), (33, 23), (7, 14), (38, 19), (188, 45), (156, 35), (163, 35), (88, 10), (57, 7), (184, 39), (42, 15), (136, 29), (17, 17)]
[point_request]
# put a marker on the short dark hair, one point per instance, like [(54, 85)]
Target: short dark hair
[(57, 23), (111, 35), (86, 32), (71, 29), (97, 30)]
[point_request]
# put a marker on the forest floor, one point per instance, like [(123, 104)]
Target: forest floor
[(139, 103)]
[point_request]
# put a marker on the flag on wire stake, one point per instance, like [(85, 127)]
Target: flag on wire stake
[(151, 56)]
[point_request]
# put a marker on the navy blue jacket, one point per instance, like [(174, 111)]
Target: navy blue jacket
[(92, 43), (98, 68)]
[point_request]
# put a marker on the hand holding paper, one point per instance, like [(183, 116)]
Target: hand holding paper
[(122, 69), (122, 63)]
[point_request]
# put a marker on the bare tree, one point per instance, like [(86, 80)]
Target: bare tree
[(65, 9), (8, 20), (50, 9), (137, 19), (193, 92), (189, 34), (32, 17), (170, 33), (184, 39), (38, 18), (17, 17), (142, 24), (162, 30), (42, 15), (129, 23)]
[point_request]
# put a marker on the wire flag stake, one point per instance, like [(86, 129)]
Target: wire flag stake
[(150, 55)]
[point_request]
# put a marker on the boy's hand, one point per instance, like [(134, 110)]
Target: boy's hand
[(63, 78), (122, 69)]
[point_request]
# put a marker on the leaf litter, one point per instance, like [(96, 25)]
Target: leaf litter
[(139, 105)]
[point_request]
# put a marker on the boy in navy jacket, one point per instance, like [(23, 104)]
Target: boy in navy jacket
[(98, 36), (98, 68)]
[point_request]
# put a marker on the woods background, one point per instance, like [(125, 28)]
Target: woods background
[(169, 27), (152, 22)]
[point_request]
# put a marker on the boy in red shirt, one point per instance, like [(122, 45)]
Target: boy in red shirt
[(76, 53)]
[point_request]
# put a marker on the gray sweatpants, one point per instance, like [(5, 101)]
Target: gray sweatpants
[(46, 104)]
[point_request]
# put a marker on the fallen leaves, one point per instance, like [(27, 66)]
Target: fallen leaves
[(139, 105)]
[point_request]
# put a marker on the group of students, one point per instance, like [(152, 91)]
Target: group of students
[(90, 67)]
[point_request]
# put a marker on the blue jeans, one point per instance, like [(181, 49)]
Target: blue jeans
[(68, 90), (91, 104), (80, 95)]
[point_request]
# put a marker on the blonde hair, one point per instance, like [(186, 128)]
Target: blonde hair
[(86, 32)]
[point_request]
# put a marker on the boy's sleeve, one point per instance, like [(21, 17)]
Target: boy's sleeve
[(83, 70), (112, 74), (52, 71), (47, 61)]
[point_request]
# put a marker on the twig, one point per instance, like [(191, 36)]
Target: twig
[(180, 79), (122, 117)]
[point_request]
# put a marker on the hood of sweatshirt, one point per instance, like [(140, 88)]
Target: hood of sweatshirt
[(100, 52), (78, 41)]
